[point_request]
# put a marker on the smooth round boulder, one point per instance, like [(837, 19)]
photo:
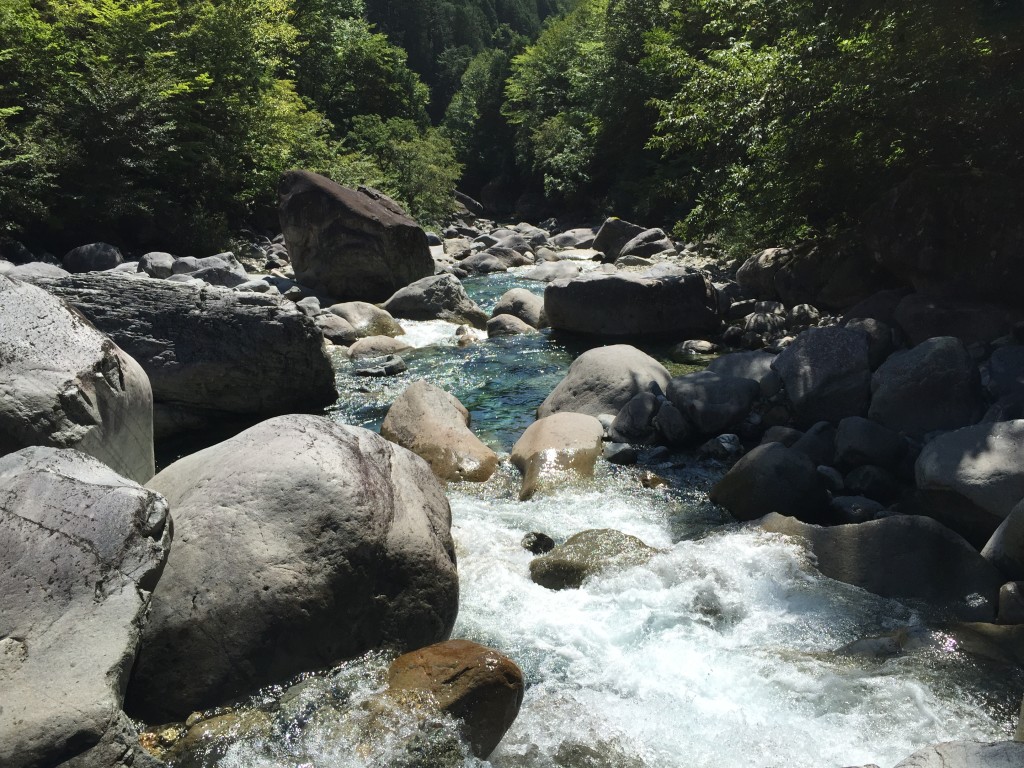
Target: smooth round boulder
[(1005, 549), (934, 386), (157, 264), (647, 243), (299, 543), (66, 385), (772, 478), (713, 402), (524, 304), (756, 365), (94, 257), (376, 346), (983, 464), (335, 329), (367, 319), (471, 682), (556, 444), (585, 554), (662, 301), (965, 754), (613, 234), (603, 380), (440, 297), (81, 548), (433, 424), (906, 557), (634, 423), (550, 271), (353, 244), (508, 325)]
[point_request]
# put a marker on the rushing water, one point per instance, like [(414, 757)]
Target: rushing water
[(721, 651)]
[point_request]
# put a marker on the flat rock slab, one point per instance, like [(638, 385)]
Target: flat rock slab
[(66, 385), (562, 442), (586, 554), (80, 550), (299, 543)]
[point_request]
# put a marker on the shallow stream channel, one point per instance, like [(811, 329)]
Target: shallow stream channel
[(726, 649)]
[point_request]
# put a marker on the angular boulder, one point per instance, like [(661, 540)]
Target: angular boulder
[(772, 478), (663, 301), (585, 554), (66, 385), (434, 425), (81, 549), (298, 543), (440, 297), (906, 557), (713, 402), (613, 234), (353, 244), (934, 386), (208, 351), (983, 464), (603, 380), (1005, 549), (475, 684), (826, 374), (563, 442)]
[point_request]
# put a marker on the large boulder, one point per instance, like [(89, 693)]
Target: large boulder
[(554, 445), (440, 297), (208, 352), (81, 549), (66, 385), (93, 257), (524, 304), (1005, 549), (663, 301), (508, 325), (367, 319), (860, 441), (354, 244), (647, 243), (923, 317), (713, 402), (906, 557), (772, 478), (966, 754), (983, 464), (586, 554), (472, 683), (603, 380), (826, 374), (613, 234), (934, 386), (435, 425), (298, 543)]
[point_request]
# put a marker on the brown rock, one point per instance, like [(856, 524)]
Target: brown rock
[(560, 442)]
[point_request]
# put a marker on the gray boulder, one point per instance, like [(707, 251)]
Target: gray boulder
[(586, 554), (906, 557), (713, 402), (934, 386), (603, 380), (861, 441), (550, 271), (64, 384), (351, 244), (434, 425), (965, 754), (508, 325), (157, 264), (298, 543), (772, 478), (81, 548), (634, 423), (613, 234), (826, 374), (335, 329), (648, 243), (983, 464), (582, 237), (661, 301), (94, 257), (208, 352), (880, 342), (440, 297), (524, 304), (555, 445), (1005, 550), (367, 319)]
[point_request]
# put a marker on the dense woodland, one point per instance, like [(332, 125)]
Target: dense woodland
[(758, 122)]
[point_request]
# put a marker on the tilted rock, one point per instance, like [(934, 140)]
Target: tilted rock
[(648, 243), (983, 464), (862, 441), (603, 380), (434, 425), (208, 351), (906, 557), (475, 684), (585, 554), (440, 297), (662, 301), (924, 317), (563, 442), (826, 374), (772, 478), (524, 304), (756, 365), (298, 543), (931, 387), (550, 271), (66, 385), (81, 548), (92, 258), (1005, 550), (352, 244)]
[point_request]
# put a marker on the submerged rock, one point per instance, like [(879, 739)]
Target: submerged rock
[(435, 425), (298, 543), (474, 684), (80, 550), (585, 554), (964, 754), (66, 385), (563, 442)]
